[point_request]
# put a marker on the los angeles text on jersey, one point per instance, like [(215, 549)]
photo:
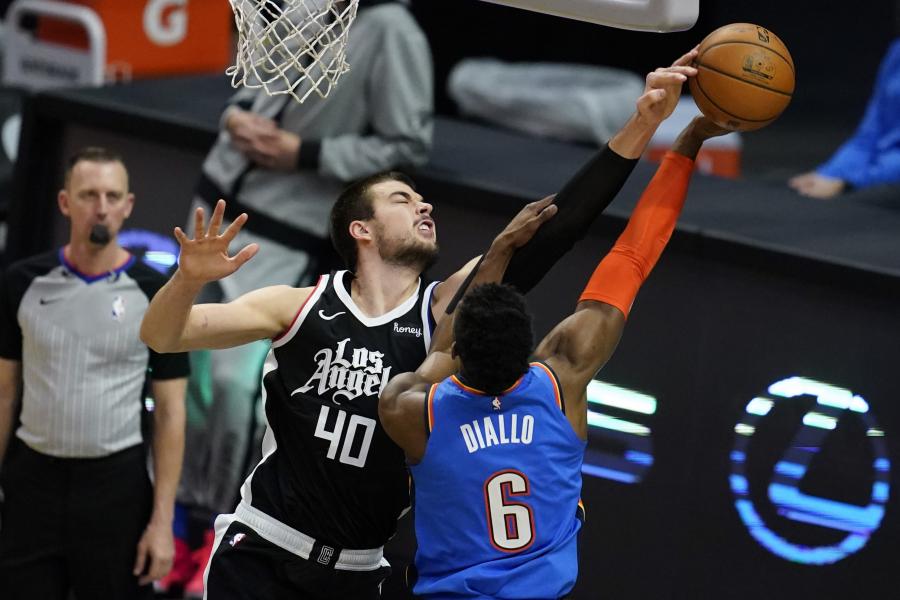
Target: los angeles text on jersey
[(498, 429), (362, 373)]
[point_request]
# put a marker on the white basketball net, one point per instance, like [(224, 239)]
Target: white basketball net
[(294, 47)]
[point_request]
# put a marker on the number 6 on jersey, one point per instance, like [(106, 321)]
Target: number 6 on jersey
[(510, 524)]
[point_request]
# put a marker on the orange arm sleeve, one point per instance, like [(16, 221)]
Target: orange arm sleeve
[(619, 276)]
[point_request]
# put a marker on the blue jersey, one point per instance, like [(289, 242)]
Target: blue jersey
[(497, 492)]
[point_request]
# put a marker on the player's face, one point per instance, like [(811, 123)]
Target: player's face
[(404, 231), (96, 195)]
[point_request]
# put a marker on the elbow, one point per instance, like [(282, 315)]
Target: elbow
[(387, 407), (155, 342), (384, 408)]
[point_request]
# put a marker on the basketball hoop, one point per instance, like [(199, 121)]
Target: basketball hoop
[(295, 47)]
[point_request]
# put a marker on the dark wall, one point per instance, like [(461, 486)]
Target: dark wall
[(836, 45)]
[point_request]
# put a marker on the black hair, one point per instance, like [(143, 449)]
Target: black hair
[(493, 335), (355, 204), (91, 154)]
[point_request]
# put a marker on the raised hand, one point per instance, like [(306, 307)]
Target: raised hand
[(663, 89), (524, 225), (205, 258)]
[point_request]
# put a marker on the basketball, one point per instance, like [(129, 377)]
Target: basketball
[(745, 77)]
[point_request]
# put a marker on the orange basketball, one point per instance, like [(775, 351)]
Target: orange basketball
[(745, 77)]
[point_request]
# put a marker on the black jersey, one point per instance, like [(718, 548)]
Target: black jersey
[(329, 470)]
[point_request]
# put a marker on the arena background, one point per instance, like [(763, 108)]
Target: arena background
[(758, 288)]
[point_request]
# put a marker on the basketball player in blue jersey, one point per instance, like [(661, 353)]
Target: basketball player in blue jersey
[(495, 434), (316, 511)]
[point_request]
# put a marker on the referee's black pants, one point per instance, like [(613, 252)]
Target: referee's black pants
[(73, 524)]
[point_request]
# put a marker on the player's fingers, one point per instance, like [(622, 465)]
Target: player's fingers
[(180, 236), (158, 569), (658, 80), (233, 229), (246, 253), (198, 223), (548, 212), (215, 221), (686, 70), (543, 203), (650, 98), (688, 57)]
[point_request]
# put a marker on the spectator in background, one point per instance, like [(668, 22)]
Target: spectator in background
[(80, 512), (867, 166), (284, 163)]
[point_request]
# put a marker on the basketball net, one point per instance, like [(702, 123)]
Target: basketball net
[(295, 47)]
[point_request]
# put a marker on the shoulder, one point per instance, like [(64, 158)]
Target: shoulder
[(34, 266), (17, 278), (146, 277)]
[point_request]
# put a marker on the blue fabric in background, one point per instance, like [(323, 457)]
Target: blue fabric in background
[(872, 155)]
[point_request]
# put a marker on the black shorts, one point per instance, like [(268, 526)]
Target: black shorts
[(248, 567), (73, 524)]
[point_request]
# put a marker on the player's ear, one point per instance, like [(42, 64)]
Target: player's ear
[(360, 230), (453, 353)]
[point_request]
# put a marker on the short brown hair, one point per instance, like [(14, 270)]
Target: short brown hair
[(91, 154), (355, 204)]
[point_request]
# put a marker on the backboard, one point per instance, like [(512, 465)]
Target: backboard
[(642, 15)]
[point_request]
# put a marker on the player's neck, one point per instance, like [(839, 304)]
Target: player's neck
[(92, 259), (381, 287)]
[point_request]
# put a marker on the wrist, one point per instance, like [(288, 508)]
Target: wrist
[(631, 141), (689, 142), (186, 282), (162, 517), (501, 248)]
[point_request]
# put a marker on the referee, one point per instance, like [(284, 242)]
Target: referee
[(80, 512)]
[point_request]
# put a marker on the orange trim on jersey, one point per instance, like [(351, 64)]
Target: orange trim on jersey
[(300, 310), (583, 511), (472, 390), (430, 402), (552, 377)]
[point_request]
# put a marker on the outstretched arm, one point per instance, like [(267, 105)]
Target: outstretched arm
[(173, 323), (400, 406), (595, 186), (579, 346)]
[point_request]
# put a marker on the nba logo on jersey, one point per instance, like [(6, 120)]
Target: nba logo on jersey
[(236, 539), (118, 308), (325, 555)]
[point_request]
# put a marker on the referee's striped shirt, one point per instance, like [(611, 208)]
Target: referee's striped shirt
[(84, 368)]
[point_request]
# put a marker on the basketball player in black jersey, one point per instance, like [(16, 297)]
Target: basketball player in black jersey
[(325, 497)]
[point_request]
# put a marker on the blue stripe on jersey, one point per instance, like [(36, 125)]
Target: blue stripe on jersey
[(497, 494)]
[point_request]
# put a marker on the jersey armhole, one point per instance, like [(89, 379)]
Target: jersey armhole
[(428, 320), (285, 336), (554, 379), (429, 409)]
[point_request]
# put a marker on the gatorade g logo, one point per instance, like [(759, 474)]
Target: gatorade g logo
[(166, 21), (786, 511)]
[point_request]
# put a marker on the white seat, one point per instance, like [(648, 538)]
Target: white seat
[(34, 64)]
